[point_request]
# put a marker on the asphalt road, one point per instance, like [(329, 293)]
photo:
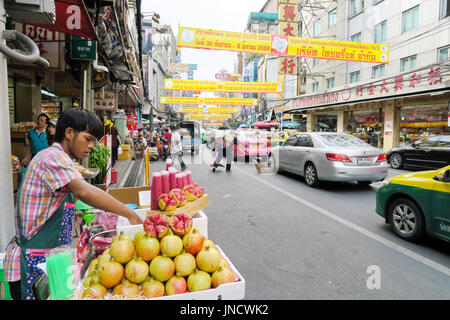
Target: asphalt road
[(290, 241)]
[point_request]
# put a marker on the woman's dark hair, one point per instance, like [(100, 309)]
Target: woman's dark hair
[(79, 120)]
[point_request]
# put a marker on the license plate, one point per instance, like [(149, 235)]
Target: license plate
[(362, 160)]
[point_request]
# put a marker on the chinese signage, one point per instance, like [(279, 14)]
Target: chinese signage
[(209, 101), (46, 40), (287, 27), (109, 102), (415, 82), (82, 49), (223, 86), (283, 45)]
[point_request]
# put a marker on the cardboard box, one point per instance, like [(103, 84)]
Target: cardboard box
[(127, 195)]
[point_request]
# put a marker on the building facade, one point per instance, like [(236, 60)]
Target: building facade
[(389, 104)]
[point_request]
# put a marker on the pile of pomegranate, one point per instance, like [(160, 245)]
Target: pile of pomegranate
[(178, 197), (168, 257)]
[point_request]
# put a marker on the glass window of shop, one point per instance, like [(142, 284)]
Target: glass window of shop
[(367, 125), (326, 122), (418, 122)]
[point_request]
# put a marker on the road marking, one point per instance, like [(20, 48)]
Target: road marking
[(432, 264)]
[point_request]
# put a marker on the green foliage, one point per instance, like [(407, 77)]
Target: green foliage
[(98, 158)]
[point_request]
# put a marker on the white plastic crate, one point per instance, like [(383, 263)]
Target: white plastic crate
[(200, 221), (144, 198)]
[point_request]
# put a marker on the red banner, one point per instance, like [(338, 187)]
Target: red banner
[(73, 18)]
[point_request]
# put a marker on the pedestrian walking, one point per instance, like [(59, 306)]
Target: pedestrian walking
[(225, 148), (115, 144), (176, 149)]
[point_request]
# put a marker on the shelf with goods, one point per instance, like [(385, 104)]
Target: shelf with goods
[(51, 108), (181, 238)]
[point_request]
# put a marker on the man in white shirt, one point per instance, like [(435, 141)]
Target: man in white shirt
[(176, 148)]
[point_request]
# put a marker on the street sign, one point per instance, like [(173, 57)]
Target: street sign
[(82, 48)]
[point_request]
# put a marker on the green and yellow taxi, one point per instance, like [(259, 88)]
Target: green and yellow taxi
[(417, 203)]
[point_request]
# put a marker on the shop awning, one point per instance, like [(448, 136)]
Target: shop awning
[(73, 18)]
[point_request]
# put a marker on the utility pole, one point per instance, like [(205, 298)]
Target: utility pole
[(7, 225)]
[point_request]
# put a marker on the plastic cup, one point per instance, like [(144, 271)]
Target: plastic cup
[(60, 273), (168, 164), (179, 181), (183, 176), (156, 190), (172, 178), (189, 177), (165, 181)]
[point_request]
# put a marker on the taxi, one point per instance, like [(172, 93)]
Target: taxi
[(278, 137), (417, 203)]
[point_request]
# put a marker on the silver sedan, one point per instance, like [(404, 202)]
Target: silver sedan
[(331, 157)]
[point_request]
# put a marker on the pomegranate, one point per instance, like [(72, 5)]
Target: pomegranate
[(95, 291), (127, 289), (199, 280), (157, 225), (224, 263), (171, 245), (152, 288), (138, 236), (190, 192), (93, 265), (136, 270), (147, 247), (208, 243), (193, 241), (104, 257), (121, 236), (208, 259), (221, 276), (92, 277), (167, 202), (111, 273), (162, 268), (180, 223), (176, 194), (184, 264), (176, 285), (122, 249), (201, 192)]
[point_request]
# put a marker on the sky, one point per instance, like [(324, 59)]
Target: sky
[(225, 15)]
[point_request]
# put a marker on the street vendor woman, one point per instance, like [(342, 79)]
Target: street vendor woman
[(50, 181)]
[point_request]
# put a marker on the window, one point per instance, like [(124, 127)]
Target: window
[(410, 19), (304, 141), (330, 83), (378, 71), (444, 142), (354, 76), (356, 37), (444, 9), (408, 63), (427, 142), (443, 54), (317, 28), (315, 87), (379, 33), (291, 141), (315, 62), (332, 17), (356, 6)]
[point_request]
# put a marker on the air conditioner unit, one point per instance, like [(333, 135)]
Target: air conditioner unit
[(31, 11)]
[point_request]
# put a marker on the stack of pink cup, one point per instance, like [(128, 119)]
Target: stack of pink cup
[(156, 190), (179, 180), (189, 177), (172, 178), (168, 164), (165, 181)]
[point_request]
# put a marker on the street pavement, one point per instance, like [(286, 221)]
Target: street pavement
[(290, 241)]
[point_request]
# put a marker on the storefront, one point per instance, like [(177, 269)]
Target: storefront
[(387, 113)]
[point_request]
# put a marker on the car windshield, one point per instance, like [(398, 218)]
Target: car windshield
[(341, 140)]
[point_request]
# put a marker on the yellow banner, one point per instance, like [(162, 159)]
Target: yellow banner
[(209, 110), (223, 86), (283, 45), (209, 101)]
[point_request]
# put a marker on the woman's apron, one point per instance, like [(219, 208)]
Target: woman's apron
[(57, 231)]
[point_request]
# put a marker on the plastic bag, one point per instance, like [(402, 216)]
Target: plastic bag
[(107, 220), (213, 159), (119, 150)]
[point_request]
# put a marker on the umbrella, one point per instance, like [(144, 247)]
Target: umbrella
[(266, 125), (292, 125)]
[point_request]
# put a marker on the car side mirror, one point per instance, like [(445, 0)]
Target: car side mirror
[(443, 177)]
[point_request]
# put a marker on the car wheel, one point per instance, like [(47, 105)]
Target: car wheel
[(310, 175), (406, 219), (272, 164), (364, 183), (396, 161)]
